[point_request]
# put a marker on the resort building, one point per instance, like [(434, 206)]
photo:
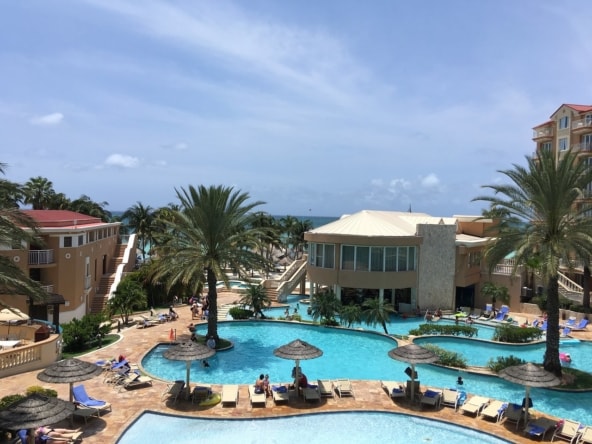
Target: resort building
[(569, 127), (412, 261), (79, 258)]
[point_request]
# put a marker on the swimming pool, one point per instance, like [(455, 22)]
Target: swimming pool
[(233, 284), (356, 427), (478, 353), (347, 354)]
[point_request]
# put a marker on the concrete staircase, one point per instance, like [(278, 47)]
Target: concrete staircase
[(101, 297)]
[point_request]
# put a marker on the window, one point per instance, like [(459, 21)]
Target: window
[(474, 259), (362, 258), (587, 142), (588, 119), (348, 254), (402, 259), (564, 122), (546, 147), (81, 240), (376, 259), (312, 253), (322, 255), (563, 144), (390, 259), (329, 256)]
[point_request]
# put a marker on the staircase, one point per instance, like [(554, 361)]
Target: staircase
[(570, 289), (101, 297), (279, 289)]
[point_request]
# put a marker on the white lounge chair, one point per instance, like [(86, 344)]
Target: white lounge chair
[(280, 393), (393, 388), (475, 405), (568, 431), (585, 435), (173, 390), (450, 398), (326, 388), (431, 398), (343, 387), (134, 380), (257, 398), (495, 410), (229, 394)]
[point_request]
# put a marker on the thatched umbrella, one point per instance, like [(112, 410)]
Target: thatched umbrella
[(529, 375), (298, 350), (188, 352), (69, 371), (11, 316), (34, 411), (413, 354)]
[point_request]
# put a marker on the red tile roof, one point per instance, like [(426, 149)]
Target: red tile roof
[(548, 122), (580, 108), (60, 218)]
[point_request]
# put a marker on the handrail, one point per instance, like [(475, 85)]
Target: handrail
[(287, 285), (568, 284), (127, 256)]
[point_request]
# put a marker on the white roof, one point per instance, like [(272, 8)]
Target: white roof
[(381, 223), (470, 241)]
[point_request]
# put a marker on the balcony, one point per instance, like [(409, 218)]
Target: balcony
[(582, 125), (47, 287), (542, 133), (41, 257), (584, 147)]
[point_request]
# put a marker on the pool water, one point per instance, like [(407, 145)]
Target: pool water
[(233, 284), (354, 427), (346, 354), (478, 353)]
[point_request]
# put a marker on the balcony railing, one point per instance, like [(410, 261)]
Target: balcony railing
[(48, 287), (581, 147), (40, 257), (542, 132), (581, 124)]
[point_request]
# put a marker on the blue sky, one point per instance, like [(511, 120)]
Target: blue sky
[(315, 107)]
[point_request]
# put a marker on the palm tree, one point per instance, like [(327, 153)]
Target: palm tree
[(38, 192), (256, 296), (287, 223), (16, 229), (542, 219), (325, 306), (140, 218), (350, 314), (85, 205), (298, 230), (214, 228), (129, 296), (376, 312)]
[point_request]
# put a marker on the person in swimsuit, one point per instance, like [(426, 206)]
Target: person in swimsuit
[(55, 433)]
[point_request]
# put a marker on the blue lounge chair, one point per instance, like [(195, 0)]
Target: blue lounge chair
[(83, 400), (571, 322), (581, 325)]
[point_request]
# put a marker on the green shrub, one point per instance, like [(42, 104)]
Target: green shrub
[(9, 400), (50, 393), (81, 334), (447, 358), (516, 335), (240, 313), (501, 362), (444, 329)]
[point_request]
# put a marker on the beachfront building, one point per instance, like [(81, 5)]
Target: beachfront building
[(569, 127), (76, 252), (412, 261)]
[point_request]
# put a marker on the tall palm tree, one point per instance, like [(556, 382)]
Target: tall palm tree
[(85, 205), (213, 229), (298, 230), (38, 192), (16, 229), (140, 219), (256, 296), (541, 218), (375, 312), (326, 306)]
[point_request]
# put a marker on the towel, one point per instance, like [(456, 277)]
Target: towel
[(535, 430), (397, 390), (312, 386), (431, 394), (280, 388), (503, 407), (90, 402)]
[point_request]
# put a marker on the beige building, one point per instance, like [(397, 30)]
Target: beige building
[(76, 253), (410, 260)]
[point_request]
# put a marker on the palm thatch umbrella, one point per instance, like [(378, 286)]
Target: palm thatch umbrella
[(34, 411), (298, 350), (69, 371), (413, 354), (188, 352), (529, 375), (10, 316)]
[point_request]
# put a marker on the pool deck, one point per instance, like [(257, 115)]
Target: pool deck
[(129, 404)]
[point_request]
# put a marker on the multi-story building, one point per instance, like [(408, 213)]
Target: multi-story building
[(408, 260), (75, 252)]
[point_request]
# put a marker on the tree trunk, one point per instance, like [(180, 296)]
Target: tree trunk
[(586, 298), (551, 361), (384, 326), (213, 305)]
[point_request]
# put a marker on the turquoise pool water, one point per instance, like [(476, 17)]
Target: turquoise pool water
[(347, 354), (346, 427), (232, 284), (478, 353)]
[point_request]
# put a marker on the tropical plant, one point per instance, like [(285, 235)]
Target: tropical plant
[(38, 192), (543, 218), (297, 236), (85, 205), (501, 362), (78, 334), (495, 293), (213, 229), (350, 314), (128, 297), (257, 298), (447, 358), (140, 219), (325, 305), (375, 311)]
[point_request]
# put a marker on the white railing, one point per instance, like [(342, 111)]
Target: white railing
[(48, 288), (507, 267), (542, 132), (569, 285), (128, 255), (40, 257), (581, 123), (288, 284)]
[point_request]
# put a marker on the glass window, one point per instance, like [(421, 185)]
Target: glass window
[(91, 236), (546, 146), (563, 144), (329, 256), (319, 255), (67, 241), (312, 253), (564, 122), (402, 259), (362, 258), (348, 254), (390, 259), (80, 240), (377, 259), (411, 259)]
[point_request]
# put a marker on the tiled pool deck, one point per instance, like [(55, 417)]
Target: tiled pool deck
[(127, 405)]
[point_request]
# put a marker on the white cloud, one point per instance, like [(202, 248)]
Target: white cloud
[(123, 161), (430, 181), (48, 119)]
